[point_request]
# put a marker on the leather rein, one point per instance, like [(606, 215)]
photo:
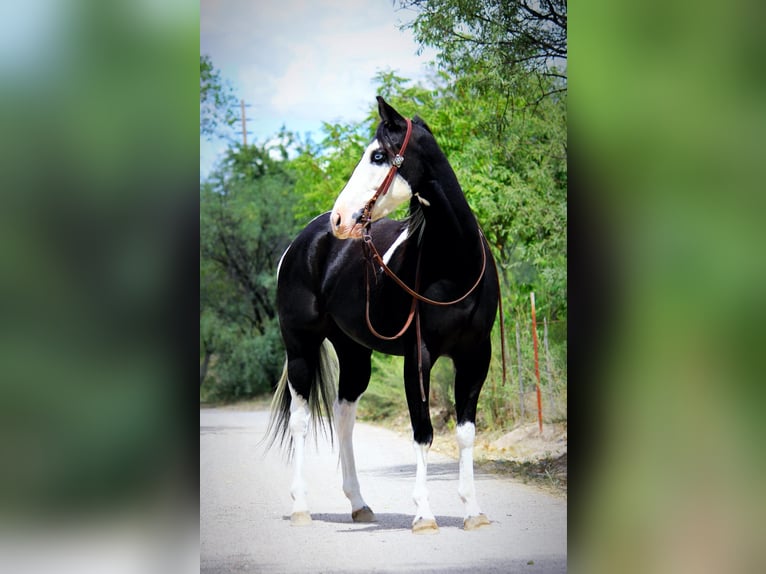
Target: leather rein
[(374, 258)]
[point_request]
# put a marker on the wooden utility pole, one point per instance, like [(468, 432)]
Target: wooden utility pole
[(548, 369)]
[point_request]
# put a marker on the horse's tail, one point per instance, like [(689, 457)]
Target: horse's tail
[(321, 398)]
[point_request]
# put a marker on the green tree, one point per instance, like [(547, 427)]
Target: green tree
[(513, 36), (217, 103), (246, 222)]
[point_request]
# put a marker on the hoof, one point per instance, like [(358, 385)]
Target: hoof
[(475, 522), (425, 526), (364, 514), (300, 519)]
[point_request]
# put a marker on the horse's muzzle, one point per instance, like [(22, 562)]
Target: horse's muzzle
[(345, 228)]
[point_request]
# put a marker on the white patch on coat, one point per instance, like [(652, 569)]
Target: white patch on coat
[(399, 240), (360, 188)]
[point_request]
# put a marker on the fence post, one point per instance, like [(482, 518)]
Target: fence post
[(537, 366), (521, 378), (548, 370)]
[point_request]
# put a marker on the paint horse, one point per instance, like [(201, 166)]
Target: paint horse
[(434, 292)]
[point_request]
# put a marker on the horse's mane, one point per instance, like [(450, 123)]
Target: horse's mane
[(421, 122), (415, 220)]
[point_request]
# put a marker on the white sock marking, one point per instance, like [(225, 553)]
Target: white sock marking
[(299, 425), (466, 433), (420, 494), (345, 415)]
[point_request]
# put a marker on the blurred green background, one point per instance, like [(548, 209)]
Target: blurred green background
[(98, 220), (668, 110)]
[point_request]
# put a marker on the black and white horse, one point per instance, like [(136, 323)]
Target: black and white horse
[(433, 292)]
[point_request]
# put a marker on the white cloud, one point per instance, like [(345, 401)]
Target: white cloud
[(299, 62), (331, 74)]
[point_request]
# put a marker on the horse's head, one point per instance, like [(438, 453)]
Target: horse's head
[(347, 220)]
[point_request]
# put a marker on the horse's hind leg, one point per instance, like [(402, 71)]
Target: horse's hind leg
[(470, 372), (354, 376), (301, 369), (299, 424)]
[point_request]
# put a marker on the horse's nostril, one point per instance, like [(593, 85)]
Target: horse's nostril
[(337, 220)]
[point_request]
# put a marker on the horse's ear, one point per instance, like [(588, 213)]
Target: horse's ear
[(389, 115)]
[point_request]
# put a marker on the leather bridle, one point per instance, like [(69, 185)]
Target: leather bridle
[(366, 217)]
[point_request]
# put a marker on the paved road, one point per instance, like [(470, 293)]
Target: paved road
[(245, 507)]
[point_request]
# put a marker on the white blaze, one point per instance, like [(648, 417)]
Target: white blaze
[(360, 188)]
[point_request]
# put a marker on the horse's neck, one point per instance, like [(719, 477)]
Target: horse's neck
[(451, 233)]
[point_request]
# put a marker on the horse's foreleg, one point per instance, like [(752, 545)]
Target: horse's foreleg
[(299, 424), (422, 433), (345, 416), (424, 520), (474, 517), (470, 372)]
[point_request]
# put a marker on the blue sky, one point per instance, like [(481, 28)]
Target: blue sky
[(299, 63)]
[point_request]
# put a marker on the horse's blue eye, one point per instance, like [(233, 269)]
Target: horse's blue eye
[(378, 156)]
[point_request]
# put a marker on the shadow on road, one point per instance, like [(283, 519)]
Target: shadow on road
[(436, 471), (385, 521)]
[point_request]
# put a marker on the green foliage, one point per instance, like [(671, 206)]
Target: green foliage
[(245, 225), (384, 398), (217, 103), (248, 363), (516, 38)]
